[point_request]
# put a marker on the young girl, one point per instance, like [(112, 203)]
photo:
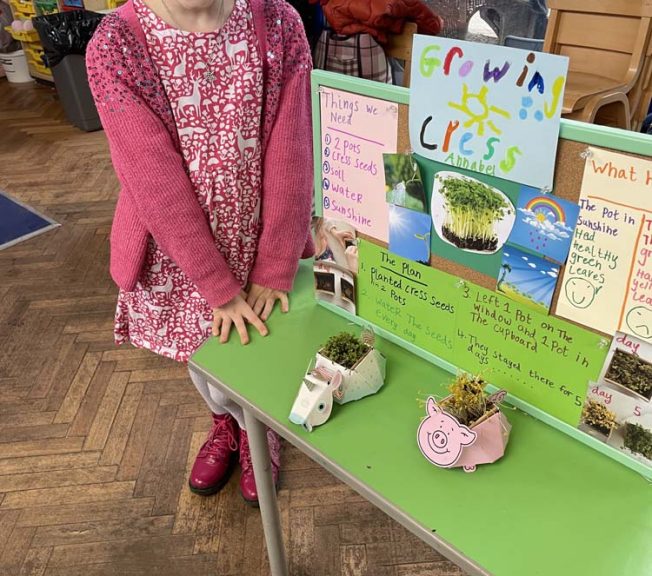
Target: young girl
[(206, 106)]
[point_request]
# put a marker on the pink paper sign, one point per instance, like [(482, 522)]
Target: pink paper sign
[(356, 132)]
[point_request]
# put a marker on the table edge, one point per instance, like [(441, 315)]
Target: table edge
[(429, 537)]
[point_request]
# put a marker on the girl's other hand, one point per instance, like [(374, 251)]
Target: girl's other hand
[(262, 300), (236, 313)]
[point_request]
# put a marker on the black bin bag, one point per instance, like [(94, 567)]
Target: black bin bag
[(64, 37)]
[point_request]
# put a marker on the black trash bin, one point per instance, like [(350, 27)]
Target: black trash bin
[(65, 37)]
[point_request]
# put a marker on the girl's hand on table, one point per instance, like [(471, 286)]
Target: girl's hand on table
[(236, 313), (262, 300)]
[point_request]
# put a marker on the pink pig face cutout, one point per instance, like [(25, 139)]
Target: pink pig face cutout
[(441, 437)]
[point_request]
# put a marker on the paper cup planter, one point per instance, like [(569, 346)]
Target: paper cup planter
[(447, 443), (330, 380)]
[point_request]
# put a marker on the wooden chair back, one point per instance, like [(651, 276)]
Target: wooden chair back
[(605, 39), (399, 46)]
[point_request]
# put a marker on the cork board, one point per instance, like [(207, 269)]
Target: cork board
[(569, 171)]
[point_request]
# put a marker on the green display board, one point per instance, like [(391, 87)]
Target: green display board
[(548, 365), (543, 360)]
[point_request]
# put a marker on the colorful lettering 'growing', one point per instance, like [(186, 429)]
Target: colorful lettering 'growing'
[(455, 51), (429, 63), (557, 87), (495, 73)]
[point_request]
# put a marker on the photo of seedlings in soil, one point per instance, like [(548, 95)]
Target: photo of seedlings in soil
[(632, 373), (527, 279), (403, 184), (470, 214), (598, 420)]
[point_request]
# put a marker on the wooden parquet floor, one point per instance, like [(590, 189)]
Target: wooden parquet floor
[(96, 441)]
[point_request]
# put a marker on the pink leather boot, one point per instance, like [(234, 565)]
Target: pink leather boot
[(247, 481), (214, 463)]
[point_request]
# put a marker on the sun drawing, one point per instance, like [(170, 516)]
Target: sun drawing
[(476, 107)]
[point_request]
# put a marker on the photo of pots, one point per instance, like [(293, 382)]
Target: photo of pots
[(631, 373), (598, 420)]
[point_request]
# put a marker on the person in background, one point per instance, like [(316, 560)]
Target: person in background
[(379, 17), (206, 106)]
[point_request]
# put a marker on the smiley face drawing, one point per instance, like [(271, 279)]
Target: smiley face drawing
[(580, 292), (639, 321)]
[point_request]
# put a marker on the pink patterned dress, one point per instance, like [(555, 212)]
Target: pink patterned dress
[(214, 82)]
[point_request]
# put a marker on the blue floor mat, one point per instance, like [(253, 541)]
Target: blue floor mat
[(19, 222)]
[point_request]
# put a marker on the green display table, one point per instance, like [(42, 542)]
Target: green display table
[(550, 507)]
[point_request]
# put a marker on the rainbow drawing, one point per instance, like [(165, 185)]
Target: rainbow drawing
[(548, 208), (544, 223)]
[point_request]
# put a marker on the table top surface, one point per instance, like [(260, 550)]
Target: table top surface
[(550, 507)]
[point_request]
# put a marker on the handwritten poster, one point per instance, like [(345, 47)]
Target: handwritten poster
[(487, 108), (607, 283), (542, 360), (356, 132), (413, 301)]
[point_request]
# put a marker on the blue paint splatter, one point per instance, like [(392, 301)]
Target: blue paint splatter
[(526, 102)]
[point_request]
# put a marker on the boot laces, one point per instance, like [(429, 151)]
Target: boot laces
[(274, 450), (220, 439)]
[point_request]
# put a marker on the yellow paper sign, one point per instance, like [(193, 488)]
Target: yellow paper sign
[(607, 283)]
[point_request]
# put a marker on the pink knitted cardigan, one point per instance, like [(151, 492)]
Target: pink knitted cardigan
[(157, 198)]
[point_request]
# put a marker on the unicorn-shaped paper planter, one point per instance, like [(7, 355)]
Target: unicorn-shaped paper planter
[(329, 381), (367, 375), (447, 443), (314, 402)]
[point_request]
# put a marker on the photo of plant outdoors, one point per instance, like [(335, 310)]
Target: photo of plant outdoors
[(527, 279), (470, 214), (632, 373), (403, 184)]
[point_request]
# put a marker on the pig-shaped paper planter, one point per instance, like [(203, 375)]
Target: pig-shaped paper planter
[(314, 402), (448, 444), (364, 379)]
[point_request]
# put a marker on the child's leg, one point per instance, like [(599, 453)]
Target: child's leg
[(218, 402), (217, 455)]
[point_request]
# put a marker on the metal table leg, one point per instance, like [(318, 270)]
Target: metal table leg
[(269, 511)]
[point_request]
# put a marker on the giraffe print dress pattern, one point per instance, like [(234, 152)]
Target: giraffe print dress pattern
[(214, 82)]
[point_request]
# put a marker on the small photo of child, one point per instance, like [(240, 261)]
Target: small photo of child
[(336, 262)]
